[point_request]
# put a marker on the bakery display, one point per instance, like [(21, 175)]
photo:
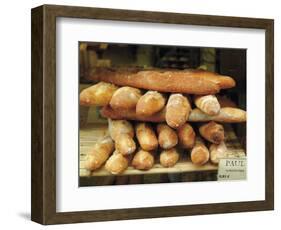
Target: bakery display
[(159, 117)]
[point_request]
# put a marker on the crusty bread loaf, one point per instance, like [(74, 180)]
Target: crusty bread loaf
[(117, 127), (99, 94), (125, 98), (186, 136), (146, 137), (99, 154), (217, 152), (176, 81), (199, 154), (177, 110), (125, 144), (167, 137), (117, 163), (208, 104), (212, 132), (143, 160), (150, 103), (169, 157), (108, 112), (226, 115)]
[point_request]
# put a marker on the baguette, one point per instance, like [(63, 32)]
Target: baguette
[(199, 154), (150, 103), (212, 132), (226, 115), (146, 137), (99, 94), (117, 127), (125, 144), (99, 154), (186, 136), (208, 104), (119, 114), (125, 98), (175, 81), (117, 163), (177, 110), (167, 137), (168, 158), (143, 160), (217, 152)]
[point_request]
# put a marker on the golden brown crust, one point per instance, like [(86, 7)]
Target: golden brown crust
[(212, 132), (217, 152), (108, 112), (146, 137), (143, 160), (186, 136), (125, 98), (99, 94), (125, 144), (168, 158), (99, 154), (117, 127), (208, 104), (199, 154), (187, 81), (177, 110), (116, 164), (150, 103), (226, 115), (167, 137)]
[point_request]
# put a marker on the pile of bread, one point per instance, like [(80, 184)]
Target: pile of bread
[(150, 113)]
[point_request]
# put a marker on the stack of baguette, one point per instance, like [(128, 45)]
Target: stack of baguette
[(158, 112)]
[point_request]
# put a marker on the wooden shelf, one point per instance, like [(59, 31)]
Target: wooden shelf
[(90, 134)]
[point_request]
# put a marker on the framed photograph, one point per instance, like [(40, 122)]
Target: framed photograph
[(140, 114)]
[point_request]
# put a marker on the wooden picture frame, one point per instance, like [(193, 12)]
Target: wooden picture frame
[(43, 208)]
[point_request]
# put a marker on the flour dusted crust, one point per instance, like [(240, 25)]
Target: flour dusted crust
[(208, 104), (226, 115), (175, 81), (212, 132), (168, 158), (143, 160)]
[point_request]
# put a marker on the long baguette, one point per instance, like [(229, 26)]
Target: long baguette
[(108, 112), (174, 81), (226, 115)]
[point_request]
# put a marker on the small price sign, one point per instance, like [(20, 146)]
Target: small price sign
[(232, 169)]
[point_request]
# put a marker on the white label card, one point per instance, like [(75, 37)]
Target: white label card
[(232, 169)]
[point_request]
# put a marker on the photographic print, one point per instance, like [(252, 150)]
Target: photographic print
[(161, 114)]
